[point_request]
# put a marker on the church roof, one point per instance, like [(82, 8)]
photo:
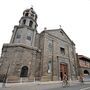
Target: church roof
[(61, 30), (83, 57)]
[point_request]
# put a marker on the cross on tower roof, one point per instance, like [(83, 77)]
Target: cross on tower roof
[(60, 26), (31, 6)]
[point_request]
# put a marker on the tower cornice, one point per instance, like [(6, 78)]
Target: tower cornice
[(21, 45)]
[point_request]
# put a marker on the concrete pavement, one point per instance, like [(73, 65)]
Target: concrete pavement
[(38, 83), (51, 85)]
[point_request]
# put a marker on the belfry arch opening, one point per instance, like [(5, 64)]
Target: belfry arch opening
[(24, 71), (86, 72), (27, 14), (24, 21), (30, 23)]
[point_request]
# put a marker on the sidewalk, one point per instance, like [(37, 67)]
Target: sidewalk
[(75, 82)]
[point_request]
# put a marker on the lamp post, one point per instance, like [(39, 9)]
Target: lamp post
[(5, 77)]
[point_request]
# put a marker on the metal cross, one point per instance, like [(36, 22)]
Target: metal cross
[(60, 26), (32, 6)]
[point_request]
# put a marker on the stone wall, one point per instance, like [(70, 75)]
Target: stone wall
[(15, 57), (68, 58)]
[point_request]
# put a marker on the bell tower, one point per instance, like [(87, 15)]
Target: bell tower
[(19, 57), (25, 32)]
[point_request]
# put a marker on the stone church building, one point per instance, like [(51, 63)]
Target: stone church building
[(33, 56)]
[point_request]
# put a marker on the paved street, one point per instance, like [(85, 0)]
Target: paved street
[(75, 87), (53, 86)]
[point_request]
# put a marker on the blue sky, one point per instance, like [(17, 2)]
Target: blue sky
[(73, 15)]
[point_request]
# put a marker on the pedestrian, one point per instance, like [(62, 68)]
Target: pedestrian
[(65, 77), (81, 79), (65, 80)]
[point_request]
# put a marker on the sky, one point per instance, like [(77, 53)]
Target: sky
[(72, 15)]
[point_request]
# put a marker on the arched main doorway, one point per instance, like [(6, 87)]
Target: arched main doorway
[(63, 70), (24, 71)]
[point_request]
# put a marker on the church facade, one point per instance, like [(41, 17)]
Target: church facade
[(33, 56)]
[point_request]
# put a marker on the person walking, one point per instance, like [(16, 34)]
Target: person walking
[(65, 80), (81, 79)]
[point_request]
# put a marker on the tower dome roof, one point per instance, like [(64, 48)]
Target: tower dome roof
[(29, 11)]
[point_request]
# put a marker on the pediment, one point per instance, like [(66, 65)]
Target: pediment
[(60, 34)]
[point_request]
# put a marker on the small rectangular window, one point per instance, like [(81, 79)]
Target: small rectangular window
[(85, 62), (50, 45), (18, 36), (62, 50), (28, 37)]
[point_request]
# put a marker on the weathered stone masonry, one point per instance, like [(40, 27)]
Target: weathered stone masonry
[(32, 56)]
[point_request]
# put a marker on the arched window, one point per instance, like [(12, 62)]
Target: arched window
[(49, 66), (26, 14), (86, 72), (30, 23), (24, 71), (24, 21)]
